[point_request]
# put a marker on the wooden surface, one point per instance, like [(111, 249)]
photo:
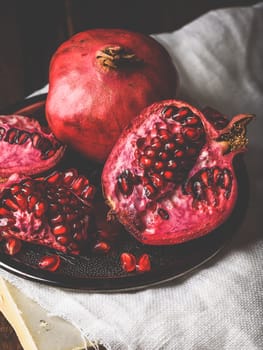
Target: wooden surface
[(8, 338)]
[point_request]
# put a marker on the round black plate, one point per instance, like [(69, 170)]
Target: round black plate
[(103, 272)]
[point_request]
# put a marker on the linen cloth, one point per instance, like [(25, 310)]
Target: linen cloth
[(220, 306)]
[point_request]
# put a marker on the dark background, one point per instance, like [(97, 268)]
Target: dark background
[(30, 31)]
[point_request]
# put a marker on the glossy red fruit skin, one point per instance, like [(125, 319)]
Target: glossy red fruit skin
[(194, 206), (90, 102), (143, 263)]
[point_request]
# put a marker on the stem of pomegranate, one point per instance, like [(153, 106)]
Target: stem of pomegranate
[(115, 57)]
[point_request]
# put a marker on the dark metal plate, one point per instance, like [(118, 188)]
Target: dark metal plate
[(102, 272)]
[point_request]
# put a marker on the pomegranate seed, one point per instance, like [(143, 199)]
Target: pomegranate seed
[(60, 230), (11, 204), (156, 143), (58, 219), (192, 133), (40, 208), (12, 246), (54, 178), (149, 152), (49, 262), (128, 262), (101, 247), (164, 134), (21, 201), (88, 192), (15, 189), (169, 111), (69, 176), (157, 180), (4, 212), (64, 240), (158, 165), (163, 155), (149, 191), (169, 146), (32, 200), (125, 182), (205, 178), (145, 162), (192, 120), (172, 164), (168, 175), (144, 263)]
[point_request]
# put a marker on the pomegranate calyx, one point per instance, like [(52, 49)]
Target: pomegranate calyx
[(115, 57), (233, 137)]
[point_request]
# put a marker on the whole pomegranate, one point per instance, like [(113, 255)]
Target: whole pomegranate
[(169, 178), (99, 80), (52, 211)]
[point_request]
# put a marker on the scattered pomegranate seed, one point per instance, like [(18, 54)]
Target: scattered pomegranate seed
[(101, 247), (12, 246), (144, 263), (128, 262), (49, 262)]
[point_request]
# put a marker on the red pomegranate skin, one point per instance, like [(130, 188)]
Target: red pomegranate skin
[(169, 205), (99, 80)]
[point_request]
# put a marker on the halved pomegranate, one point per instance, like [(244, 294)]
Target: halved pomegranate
[(170, 178)]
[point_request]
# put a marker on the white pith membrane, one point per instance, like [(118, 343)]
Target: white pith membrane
[(48, 211), (185, 215), (26, 147)]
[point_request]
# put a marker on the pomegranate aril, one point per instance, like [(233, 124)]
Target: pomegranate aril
[(101, 247), (60, 230), (144, 263), (4, 212), (149, 152), (205, 177), (169, 112), (149, 191), (69, 176), (192, 134), (128, 262), (192, 120), (35, 137), (163, 155), (11, 136), (54, 178), (164, 134), (159, 165), (50, 262), (125, 182), (23, 137), (169, 146), (21, 200), (88, 192), (168, 175), (145, 162), (10, 204), (172, 164), (40, 209), (163, 213), (156, 143), (157, 180), (58, 219), (64, 240), (12, 246)]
